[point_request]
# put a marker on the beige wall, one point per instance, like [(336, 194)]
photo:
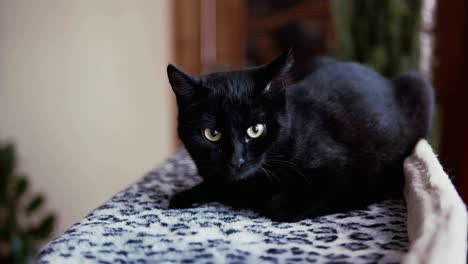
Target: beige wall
[(84, 95)]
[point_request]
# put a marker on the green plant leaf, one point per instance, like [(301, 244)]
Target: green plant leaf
[(7, 165), (44, 229), (379, 33), (22, 185), (35, 203), (21, 242)]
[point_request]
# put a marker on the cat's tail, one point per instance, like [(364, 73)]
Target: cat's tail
[(416, 98)]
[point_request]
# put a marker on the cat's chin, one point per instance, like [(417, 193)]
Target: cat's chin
[(243, 173)]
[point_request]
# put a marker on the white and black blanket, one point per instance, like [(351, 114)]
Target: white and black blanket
[(135, 227)]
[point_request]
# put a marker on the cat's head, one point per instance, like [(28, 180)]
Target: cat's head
[(229, 120)]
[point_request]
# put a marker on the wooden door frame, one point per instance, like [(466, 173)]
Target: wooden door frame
[(189, 37), (451, 81), (186, 41)]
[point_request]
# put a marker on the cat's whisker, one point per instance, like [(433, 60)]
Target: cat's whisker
[(291, 166), (275, 156), (266, 174), (273, 174)]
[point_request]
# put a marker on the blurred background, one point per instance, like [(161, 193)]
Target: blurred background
[(86, 108)]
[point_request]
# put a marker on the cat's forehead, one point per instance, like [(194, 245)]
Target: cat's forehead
[(230, 98), (228, 84)]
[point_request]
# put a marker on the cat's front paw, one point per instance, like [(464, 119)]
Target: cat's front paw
[(284, 217), (180, 200), (281, 209)]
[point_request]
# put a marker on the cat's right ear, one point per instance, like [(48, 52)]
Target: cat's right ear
[(182, 84)]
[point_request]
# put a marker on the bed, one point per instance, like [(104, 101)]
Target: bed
[(428, 225)]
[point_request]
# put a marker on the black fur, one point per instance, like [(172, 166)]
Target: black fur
[(334, 141)]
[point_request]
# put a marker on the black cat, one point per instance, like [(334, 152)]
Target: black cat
[(334, 141)]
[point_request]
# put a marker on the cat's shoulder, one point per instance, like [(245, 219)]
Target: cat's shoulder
[(333, 73), (343, 69)]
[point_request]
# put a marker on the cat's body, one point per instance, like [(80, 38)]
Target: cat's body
[(333, 141)]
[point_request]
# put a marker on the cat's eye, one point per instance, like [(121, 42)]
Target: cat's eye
[(212, 134), (256, 131)]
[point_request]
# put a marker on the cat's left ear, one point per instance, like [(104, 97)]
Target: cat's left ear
[(277, 75), (182, 84)]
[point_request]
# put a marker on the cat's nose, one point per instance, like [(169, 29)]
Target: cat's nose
[(237, 163)]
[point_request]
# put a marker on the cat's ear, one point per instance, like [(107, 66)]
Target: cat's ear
[(182, 84), (276, 75)]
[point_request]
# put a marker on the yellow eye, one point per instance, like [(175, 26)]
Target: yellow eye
[(256, 131), (211, 134)]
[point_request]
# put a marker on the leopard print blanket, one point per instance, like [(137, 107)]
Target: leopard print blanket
[(135, 227)]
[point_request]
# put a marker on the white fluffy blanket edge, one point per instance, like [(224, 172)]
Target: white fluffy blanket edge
[(437, 217)]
